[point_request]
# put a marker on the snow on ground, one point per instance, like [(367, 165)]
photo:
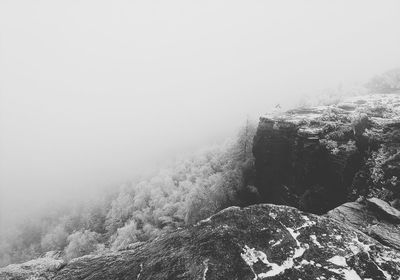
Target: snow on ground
[(252, 256), (315, 241)]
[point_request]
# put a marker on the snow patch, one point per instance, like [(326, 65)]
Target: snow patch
[(348, 274), (277, 243), (140, 272), (315, 241), (338, 260), (205, 269), (252, 256), (299, 251), (273, 215), (204, 221), (308, 223), (357, 246), (305, 218)]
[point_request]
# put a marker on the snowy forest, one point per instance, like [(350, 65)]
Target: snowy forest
[(191, 189)]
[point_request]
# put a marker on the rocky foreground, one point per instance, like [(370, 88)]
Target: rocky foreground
[(341, 161), (257, 242)]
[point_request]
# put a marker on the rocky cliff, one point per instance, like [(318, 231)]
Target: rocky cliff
[(318, 158), (257, 242)]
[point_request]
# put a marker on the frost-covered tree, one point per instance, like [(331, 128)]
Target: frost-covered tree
[(81, 243), (121, 209), (55, 239), (190, 189)]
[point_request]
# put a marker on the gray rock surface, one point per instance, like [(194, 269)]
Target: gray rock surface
[(385, 209), (373, 217), (257, 242)]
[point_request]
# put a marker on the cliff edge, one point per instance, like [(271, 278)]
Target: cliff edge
[(318, 158)]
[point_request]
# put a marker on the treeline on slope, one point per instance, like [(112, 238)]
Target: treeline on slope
[(186, 192)]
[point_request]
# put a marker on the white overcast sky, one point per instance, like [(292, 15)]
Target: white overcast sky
[(92, 92)]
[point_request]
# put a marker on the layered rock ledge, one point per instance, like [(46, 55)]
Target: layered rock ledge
[(318, 158), (374, 217)]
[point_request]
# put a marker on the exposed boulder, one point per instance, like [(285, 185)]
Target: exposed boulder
[(373, 217), (257, 242), (318, 158)]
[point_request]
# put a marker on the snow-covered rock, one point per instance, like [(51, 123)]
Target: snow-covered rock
[(318, 158), (242, 243)]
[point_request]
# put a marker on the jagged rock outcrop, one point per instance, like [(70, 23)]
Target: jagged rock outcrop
[(374, 217), (318, 158), (257, 242)]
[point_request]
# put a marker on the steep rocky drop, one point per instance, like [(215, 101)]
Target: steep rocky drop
[(319, 158)]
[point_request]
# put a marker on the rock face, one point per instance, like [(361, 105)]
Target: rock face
[(257, 242), (318, 158), (374, 217)]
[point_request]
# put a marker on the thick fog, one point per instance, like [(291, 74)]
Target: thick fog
[(94, 93)]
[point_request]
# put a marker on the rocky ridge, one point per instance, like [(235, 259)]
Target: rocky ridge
[(257, 242)]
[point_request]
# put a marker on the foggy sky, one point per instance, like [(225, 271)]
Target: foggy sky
[(93, 92)]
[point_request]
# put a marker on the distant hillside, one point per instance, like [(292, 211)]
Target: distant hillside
[(189, 190)]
